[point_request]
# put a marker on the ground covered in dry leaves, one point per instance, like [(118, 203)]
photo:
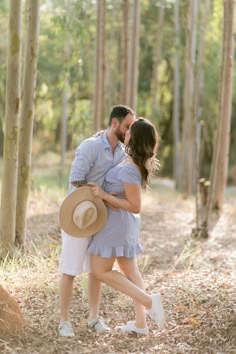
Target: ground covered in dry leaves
[(197, 279)]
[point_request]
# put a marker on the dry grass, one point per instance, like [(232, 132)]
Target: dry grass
[(197, 280)]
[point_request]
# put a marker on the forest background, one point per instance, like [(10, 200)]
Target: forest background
[(66, 68), (172, 62)]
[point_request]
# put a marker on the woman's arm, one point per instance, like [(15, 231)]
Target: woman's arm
[(132, 202)]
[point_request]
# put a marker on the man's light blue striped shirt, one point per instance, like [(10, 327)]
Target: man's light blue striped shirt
[(93, 158)]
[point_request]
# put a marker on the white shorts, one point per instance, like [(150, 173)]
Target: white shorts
[(74, 258)]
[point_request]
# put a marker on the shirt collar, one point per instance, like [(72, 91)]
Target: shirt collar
[(106, 142)]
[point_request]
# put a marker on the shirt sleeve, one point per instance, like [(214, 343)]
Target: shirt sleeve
[(85, 157), (128, 174)]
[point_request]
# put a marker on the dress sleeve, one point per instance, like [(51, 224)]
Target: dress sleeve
[(129, 174)]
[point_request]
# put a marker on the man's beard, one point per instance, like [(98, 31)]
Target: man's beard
[(119, 135)]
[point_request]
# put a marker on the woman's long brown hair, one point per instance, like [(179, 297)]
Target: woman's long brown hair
[(142, 146)]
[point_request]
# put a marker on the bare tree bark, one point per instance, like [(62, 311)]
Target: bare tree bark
[(197, 98), (9, 180), (27, 119), (134, 58), (214, 191), (64, 118), (157, 56), (64, 101), (187, 160), (219, 169), (125, 51), (176, 120), (99, 67)]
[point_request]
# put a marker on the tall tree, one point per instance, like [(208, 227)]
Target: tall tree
[(98, 108), (3, 31), (157, 56), (63, 126), (197, 95), (125, 51), (188, 136), (219, 168), (176, 95), (9, 179), (65, 96), (133, 64), (27, 118)]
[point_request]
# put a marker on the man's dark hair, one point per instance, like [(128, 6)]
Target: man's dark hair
[(120, 112)]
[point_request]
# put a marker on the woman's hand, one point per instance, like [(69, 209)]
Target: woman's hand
[(97, 190)]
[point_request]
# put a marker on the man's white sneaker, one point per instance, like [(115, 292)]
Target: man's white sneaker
[(98, 325), (130, 327), (65, 329), (156, 312)]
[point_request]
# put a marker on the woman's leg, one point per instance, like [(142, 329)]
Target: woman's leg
[(102, 268), (130, 269)]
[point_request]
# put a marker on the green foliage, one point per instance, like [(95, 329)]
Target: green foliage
[(65, 57), (66, 62)]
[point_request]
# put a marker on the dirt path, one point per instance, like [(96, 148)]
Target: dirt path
[(196, 278)]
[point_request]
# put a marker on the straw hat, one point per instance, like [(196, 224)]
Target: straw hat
[(82, 214)]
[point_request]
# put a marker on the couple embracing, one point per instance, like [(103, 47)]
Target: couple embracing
[(101, 226)]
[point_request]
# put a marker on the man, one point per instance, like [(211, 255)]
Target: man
[(93, 158)]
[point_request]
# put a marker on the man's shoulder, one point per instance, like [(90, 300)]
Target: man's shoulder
[(91, 142)]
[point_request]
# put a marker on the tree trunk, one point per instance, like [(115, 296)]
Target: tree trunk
[(219, 168), (197, 98), (1, 139), (134, 58), (125, 52), (99, 66), (64, 116), (157, 58), (27, 118), (9, 180), (187, 160), (176, 123)]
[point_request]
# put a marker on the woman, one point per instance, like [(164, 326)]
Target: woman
[(119, 239)]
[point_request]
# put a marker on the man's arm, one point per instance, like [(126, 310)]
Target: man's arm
[(78, 184), (85, 157)]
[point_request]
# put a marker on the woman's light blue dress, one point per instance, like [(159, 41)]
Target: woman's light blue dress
[(120, 236)]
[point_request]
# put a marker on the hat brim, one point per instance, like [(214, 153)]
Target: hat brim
[(68, 206)]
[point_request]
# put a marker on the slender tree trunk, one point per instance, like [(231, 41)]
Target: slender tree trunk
[(129, 54), (197, 98), (219, 169), (1, 139), (125, 51), (157, 57), (134, 57), (112, 78), (188, 166), (100, 66), (176, 123), (64, 116), (27, 118), (9, 180)]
